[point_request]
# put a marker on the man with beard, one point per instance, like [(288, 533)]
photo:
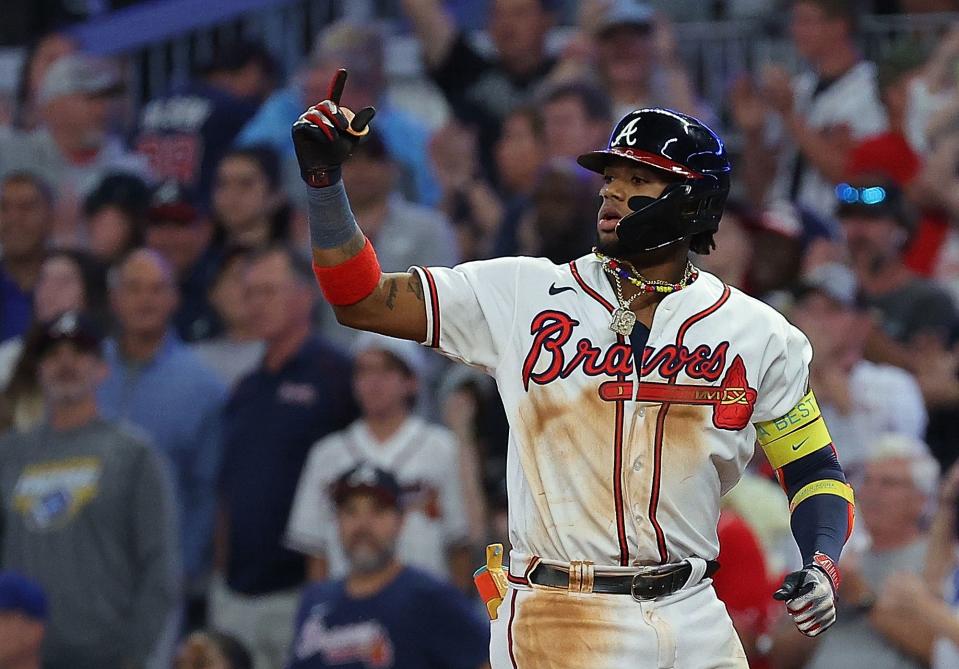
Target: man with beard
[(88, 513), (383, 614), (636, 387)]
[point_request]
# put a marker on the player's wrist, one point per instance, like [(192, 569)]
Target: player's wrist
[(322, 176), (331, 219), (825, 564)]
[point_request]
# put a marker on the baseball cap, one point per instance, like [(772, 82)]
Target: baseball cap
[(72, 326), (19, 594), (620, 13), (80, 73), (408, 354), (172, 202), (833, 280), (369, 480)]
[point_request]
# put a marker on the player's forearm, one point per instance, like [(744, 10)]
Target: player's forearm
[(363, 297), (799, 448)]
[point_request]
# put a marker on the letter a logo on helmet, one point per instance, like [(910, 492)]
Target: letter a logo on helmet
[(682, 147), (626, 134)]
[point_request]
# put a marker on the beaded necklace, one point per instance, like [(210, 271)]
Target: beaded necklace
[(623, 317), (616, 268)]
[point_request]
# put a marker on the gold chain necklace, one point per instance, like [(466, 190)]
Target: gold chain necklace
[(624, 319)]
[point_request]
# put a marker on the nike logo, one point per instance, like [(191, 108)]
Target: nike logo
[(799, 445), (553, 290)]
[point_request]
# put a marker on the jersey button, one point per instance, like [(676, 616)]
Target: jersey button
[(637, 464), (642, 412)]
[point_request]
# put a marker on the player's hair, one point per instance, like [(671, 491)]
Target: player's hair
[(846, 10), (702, 243), (595, 101)]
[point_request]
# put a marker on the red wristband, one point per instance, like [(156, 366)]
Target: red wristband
[(350, 281)]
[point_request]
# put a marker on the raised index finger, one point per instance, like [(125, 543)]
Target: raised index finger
[(336, 86)]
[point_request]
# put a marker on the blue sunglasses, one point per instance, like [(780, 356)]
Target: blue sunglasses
[(865, 195)]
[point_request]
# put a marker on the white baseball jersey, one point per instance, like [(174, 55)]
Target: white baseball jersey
[(609, 460), (422, 456)]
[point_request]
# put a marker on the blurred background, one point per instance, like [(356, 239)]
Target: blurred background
[(154, 267)]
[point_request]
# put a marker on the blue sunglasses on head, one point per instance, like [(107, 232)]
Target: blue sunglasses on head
[(863, 195)]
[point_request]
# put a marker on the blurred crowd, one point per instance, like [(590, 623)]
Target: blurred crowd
[(200, 468)]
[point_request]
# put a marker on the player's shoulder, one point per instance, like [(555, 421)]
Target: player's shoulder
[(759, 312), (509, 273), (524, 264)]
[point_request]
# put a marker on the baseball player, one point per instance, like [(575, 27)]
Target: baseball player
[(636, 388)]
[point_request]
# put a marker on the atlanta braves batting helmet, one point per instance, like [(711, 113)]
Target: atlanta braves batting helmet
[(682, 146)]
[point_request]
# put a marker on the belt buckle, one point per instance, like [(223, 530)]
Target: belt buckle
[(648, 585), (641, 589)]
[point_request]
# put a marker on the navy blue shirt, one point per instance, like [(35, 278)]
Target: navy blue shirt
[(185, 134), (16, 308), (415, 622), (270, 423)]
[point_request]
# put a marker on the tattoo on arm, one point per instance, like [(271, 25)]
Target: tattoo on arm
[(415, 286), (391, 295), (331, 257)]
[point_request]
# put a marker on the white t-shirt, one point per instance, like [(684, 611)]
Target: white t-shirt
[(603, 464), (885, 399), (852, 100), (423, 457)]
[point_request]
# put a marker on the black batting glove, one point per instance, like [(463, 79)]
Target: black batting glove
[(325, 135)]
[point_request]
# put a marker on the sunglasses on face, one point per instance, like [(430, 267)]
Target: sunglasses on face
[(867, 195)]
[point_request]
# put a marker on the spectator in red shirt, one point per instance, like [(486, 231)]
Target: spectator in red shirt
[(743, 584)]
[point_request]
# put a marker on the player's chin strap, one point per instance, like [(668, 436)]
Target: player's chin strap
[(697, 571)]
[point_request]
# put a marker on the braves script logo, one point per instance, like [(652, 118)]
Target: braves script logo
[(732, 400)]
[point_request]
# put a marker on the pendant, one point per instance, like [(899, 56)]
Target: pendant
[(623, 322)]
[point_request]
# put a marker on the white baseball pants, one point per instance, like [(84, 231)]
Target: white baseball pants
[(545, 628)]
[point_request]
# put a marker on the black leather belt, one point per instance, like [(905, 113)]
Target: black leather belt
[(650, 583)]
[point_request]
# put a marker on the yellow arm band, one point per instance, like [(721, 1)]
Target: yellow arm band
[(797, 434), (822, 487)]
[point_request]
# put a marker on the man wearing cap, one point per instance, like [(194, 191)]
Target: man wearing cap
[(179, 231), (73, 148), (423, 456), (88, 513), (877, 226), (23, 620), (638, 60), (861, 399), (382, 614)]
